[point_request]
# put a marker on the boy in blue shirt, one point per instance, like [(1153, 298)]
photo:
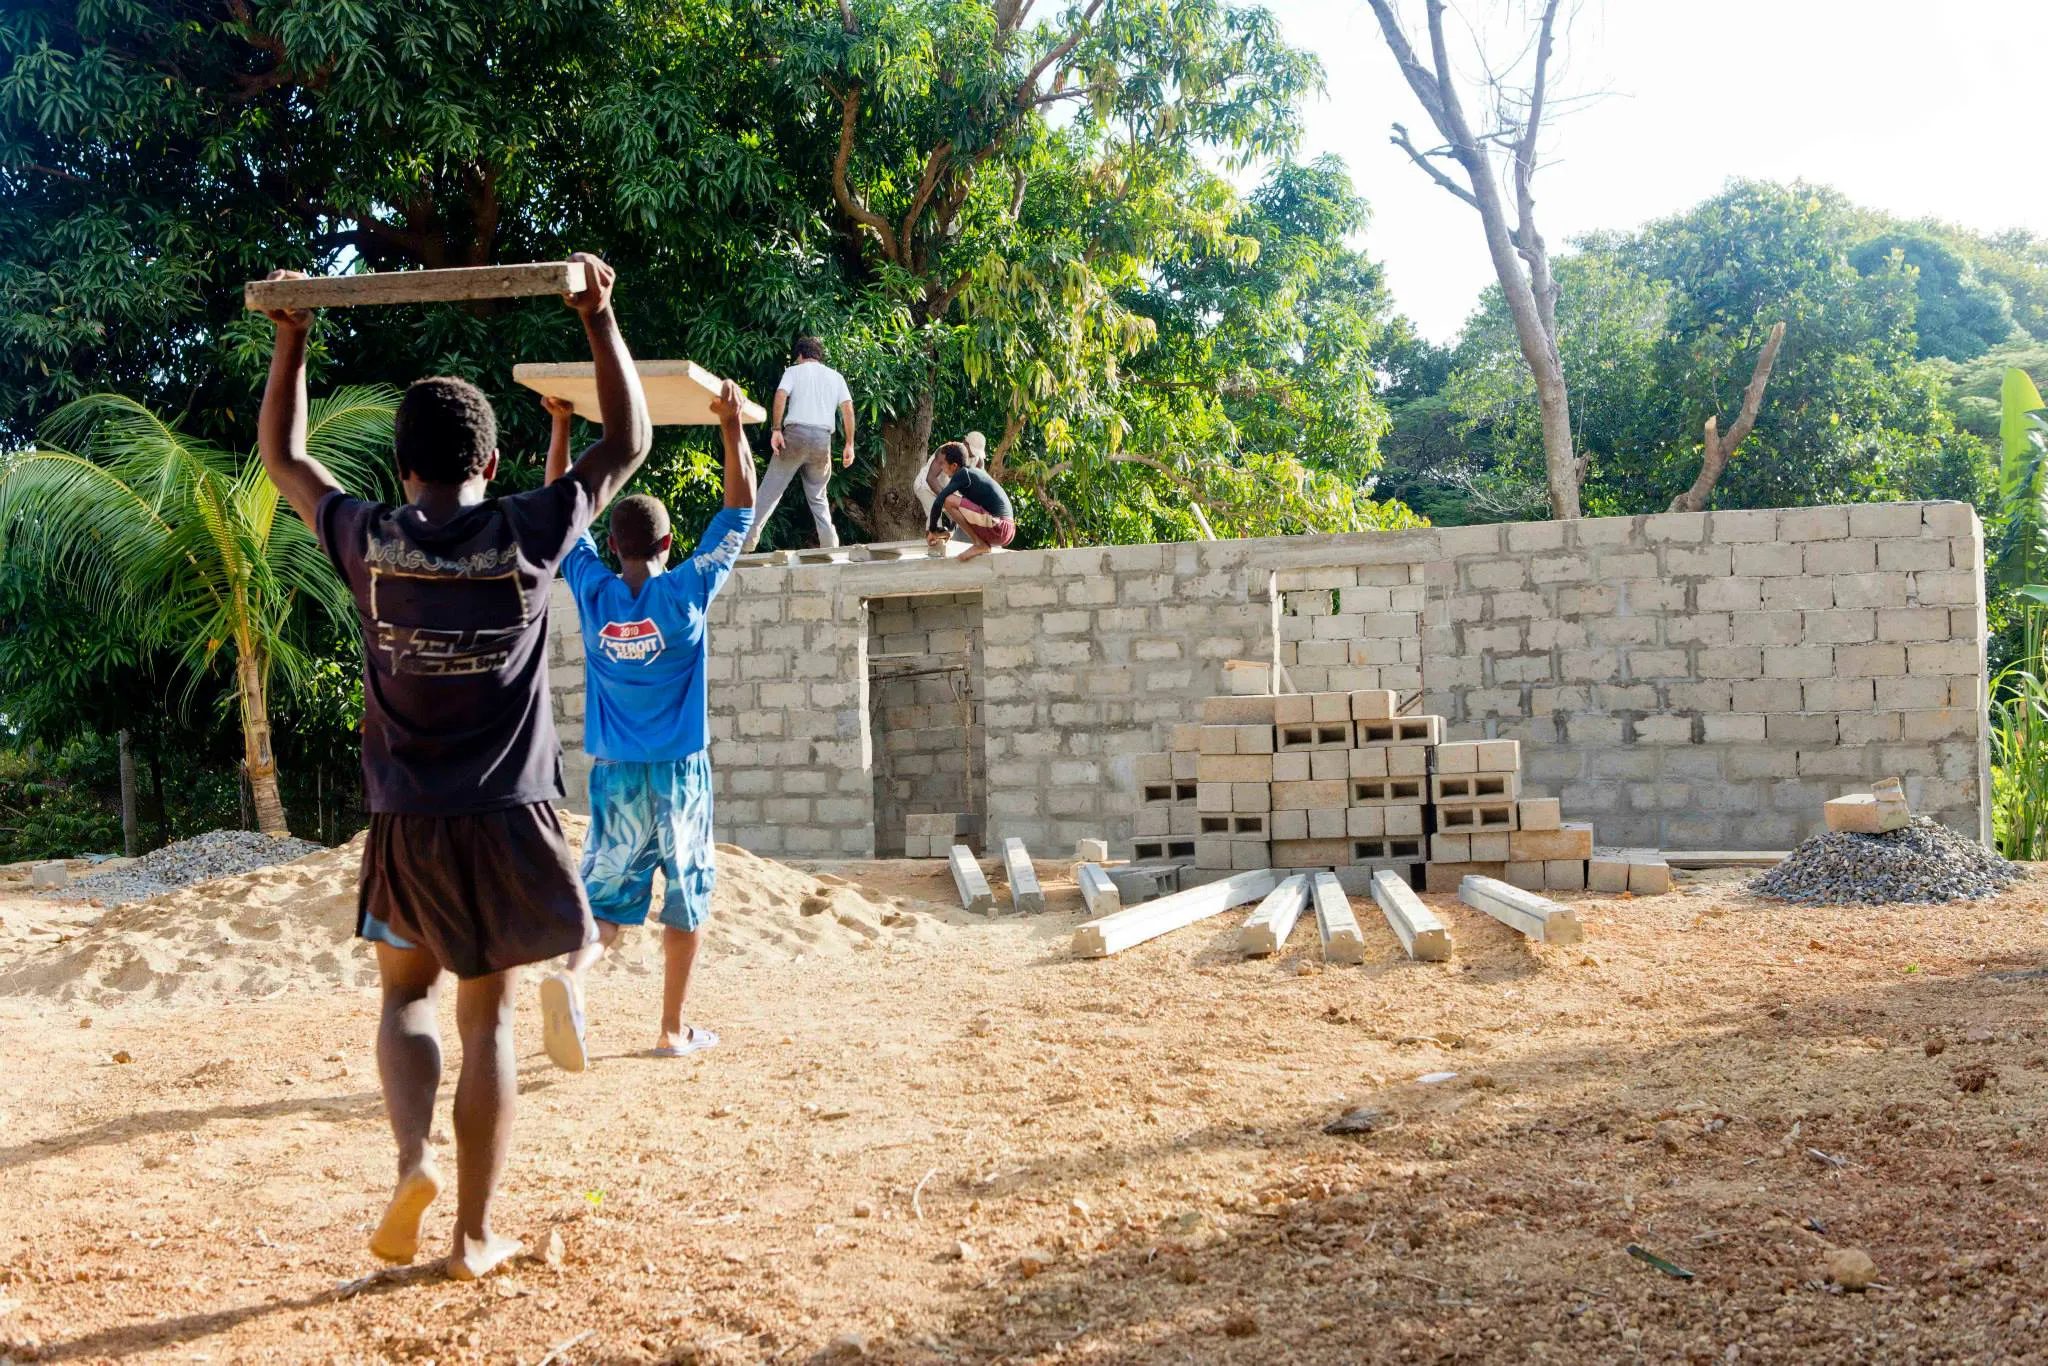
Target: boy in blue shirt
[(644, 644)]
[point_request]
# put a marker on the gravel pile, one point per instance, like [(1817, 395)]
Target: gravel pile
[(218, 853), (1923, 862)]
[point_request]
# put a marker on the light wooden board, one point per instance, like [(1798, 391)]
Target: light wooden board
[(1025, 894), (1726, 858), (1268, 927), (1343, 942), (1414, 924), (679, 392), (1536, 917), (1115, 933), (969, 881), (416, 286)]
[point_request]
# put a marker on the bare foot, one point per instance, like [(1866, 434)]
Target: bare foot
[(677, 1043), (397, 1238), (973, 552), (475, 1258)]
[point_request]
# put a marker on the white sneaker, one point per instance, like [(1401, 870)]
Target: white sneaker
[(561, 1023)]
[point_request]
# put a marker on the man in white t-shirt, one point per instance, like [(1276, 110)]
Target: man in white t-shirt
[(810, 395)]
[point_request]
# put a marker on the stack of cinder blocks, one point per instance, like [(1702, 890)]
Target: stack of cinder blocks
[(1342, 781), (932, 834)]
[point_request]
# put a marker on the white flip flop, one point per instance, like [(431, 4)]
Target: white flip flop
[(697, 1042), (561, 1023)]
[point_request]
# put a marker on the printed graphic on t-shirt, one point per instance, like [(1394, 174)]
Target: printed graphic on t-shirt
[(726, 552), (409, 588), (630, 642)]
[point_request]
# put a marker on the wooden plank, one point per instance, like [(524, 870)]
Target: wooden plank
[(416, 286), (1414, 924), (1097, 890), (1267, 929), (1115, 933), (1537, 917), (1342, 940), (968, 880), (679, 392), (1025, 894)]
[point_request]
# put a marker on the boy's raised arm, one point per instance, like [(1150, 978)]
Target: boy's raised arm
[(281, 424), (739, 458), (559, 410), (610, 461)]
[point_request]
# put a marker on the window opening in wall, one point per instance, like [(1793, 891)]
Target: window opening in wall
[(925, 723)]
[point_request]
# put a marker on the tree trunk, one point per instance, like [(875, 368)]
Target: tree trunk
[(893, 511), (1560, 461), (162, 814), (131, 838), (256, 755)]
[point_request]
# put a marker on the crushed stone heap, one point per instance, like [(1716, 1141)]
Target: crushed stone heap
[(217, 853), (1924, 862)]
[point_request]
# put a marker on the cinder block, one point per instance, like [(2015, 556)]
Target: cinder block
[(1366, 821), (1457, 756), (1237, 711), (1313, 735), (1408, 761), (1446, 877), (1572, 841), (917, 846), (1403, 821), (1254, 739), (1291, 766), (1542, 813), (1373, 704), (1184, 764), (1151, 821), (1328, 823), (1649, 878), (1388, 791), (1218, 740), (1185, 736), (1861, 813), (1311, 853), (1564, 875), (1293, 709), (1405, 730), (1153, 768), (1449, 788), (1234, 768), (1288, 825), (1327, 764), (1450, 848), (1248, 855), (1309, 796), (1527, 876), (1212, 852), (1490, 848), (1329, 706), (1251, 797), (1212, 797), (1369, 763), (1500, 756)]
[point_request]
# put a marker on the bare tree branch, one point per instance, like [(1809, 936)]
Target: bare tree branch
[(1528, 241), (849, 114), (846, 19), (1421, 158), (934, 165), (1716, 450)]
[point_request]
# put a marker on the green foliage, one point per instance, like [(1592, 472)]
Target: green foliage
[(2019, 743), (49, 807), (2021, 556), (1955, 314)]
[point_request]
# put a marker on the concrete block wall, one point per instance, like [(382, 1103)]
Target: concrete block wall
[(925, 717), (1685, 681)]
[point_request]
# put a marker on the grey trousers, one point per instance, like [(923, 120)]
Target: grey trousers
[(807, 450)]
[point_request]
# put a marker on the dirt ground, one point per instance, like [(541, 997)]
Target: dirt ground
[(967, 1147)]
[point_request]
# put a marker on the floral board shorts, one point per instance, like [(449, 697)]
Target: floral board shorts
[(645, 816)]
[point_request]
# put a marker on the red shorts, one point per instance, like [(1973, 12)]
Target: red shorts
[(985, 527)]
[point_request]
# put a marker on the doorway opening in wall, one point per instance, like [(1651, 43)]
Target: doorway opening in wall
[(925, 723)]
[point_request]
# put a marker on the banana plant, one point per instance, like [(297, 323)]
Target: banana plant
[(2022, 560)]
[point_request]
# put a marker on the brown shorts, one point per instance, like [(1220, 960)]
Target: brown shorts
[(481, 892)]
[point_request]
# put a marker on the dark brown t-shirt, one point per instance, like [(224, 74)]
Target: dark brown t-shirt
[(456, 717)]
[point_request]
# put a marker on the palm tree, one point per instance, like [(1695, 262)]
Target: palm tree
[(185, 542)]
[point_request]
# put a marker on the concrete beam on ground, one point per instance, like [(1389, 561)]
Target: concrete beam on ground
[(973, 887), (1267, 929), (1414, 924), (1097, 891), (1025, 894), (1115, 933), (417, 286), (1343, 942), (1536, 917)]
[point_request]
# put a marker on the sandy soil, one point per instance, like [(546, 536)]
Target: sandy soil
[(957, 1144)]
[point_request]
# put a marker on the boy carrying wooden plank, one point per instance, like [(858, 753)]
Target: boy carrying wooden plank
[(465, 869), (645, 646)]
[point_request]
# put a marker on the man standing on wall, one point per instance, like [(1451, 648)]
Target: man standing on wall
[(810, 395)]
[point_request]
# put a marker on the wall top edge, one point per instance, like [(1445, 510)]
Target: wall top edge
[(919, 576)]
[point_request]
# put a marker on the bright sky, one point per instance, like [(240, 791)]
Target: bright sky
[(1915, 108)]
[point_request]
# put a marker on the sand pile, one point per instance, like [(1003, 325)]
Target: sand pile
[(291, 927)]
